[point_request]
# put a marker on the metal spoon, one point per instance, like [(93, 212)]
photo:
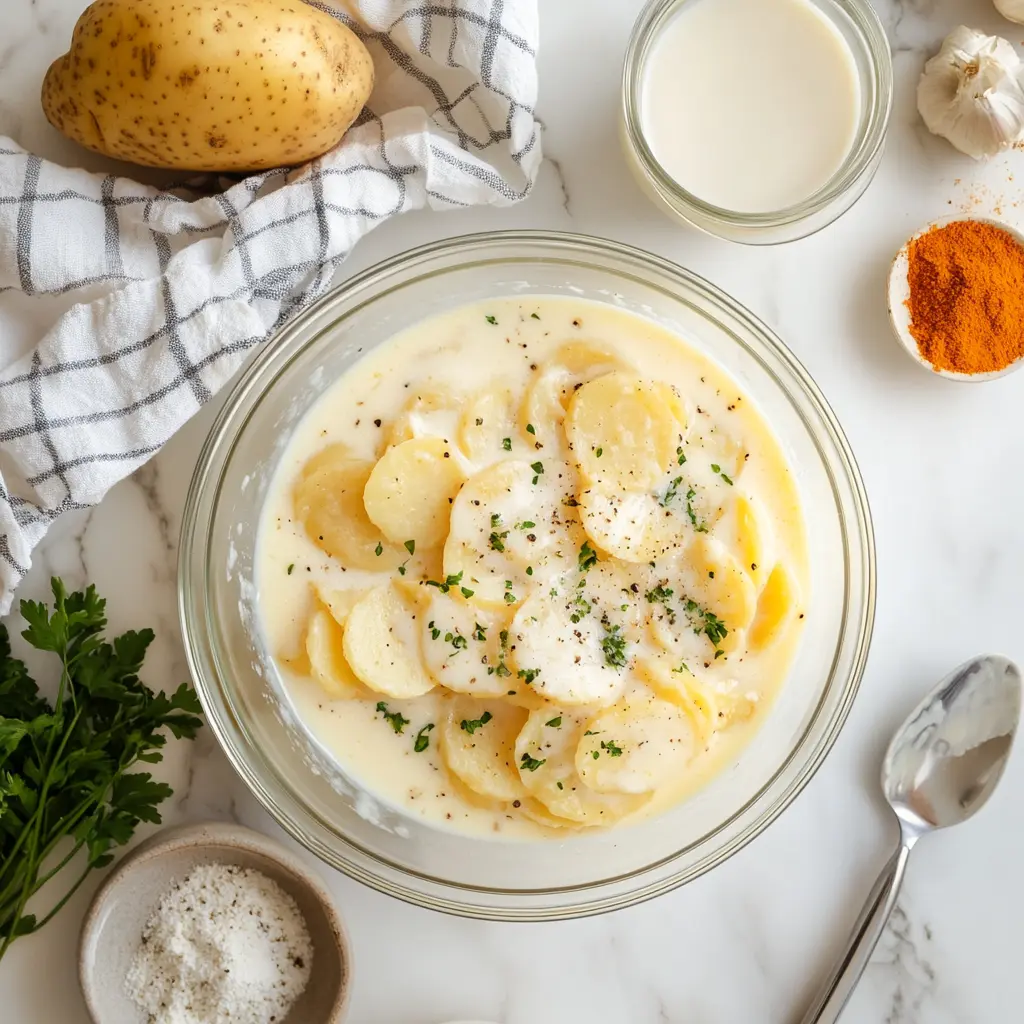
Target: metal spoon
[(941, 767)]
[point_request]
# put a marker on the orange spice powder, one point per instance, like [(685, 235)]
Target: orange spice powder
[(967, 297)]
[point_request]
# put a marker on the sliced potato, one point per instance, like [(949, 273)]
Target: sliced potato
[(675, 682), (506, 529), (382, 645), (410, 491), (546, 757), (623, 432), (637, 745), (339, 602), (775, 608), (632, 525), (744, 531), (544, 404), (325, 647), (586, 360), (431, 412), (481, 752), (328, 502), (711, 705), (571, 663), (485, 422), (466, 647)]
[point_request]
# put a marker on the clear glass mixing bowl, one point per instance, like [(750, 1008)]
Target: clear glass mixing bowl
[(292, 776)]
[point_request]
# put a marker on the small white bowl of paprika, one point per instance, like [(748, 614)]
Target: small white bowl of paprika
[(956, 298)]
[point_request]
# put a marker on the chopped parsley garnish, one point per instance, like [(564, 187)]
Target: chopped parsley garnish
[(291, 568), (691, 515), (599, 452), (531, 764), (495, 520), (501, 670), (587, 557), (591, 732), (530, 428), (555, 723), (457, 640), (434, 631), (707, 623), (396, 719), (491, 319), (680, 457), (379, 549), (479, 632), (528, 674), (497, 540), (449, 582), (596, 754), (670, 495), (579, 604), (715, 468), (559, 785), (613, 644), (422, 739), (510, 598), (534, 316), (465, 591), (683, 667), (526, 524), (410, 546), (538, 468), (506, 443), (472, 724), (614, 750), (659, 594)]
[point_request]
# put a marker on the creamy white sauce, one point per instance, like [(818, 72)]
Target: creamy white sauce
[(750, 105), (463, 354)]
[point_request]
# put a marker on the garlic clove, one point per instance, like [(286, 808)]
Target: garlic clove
[(972, 93), (1012, 10)]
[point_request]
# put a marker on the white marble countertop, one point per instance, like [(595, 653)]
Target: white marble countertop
[(942, 465)]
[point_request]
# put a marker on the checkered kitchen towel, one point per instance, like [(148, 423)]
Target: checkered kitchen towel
[(123, 309)]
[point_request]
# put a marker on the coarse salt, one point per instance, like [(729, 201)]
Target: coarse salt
[(226, 945)]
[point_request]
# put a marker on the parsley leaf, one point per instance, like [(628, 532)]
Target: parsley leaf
[(531, 764), (449, 582), (614, 750), (613, 644), (473, 724), (422, 739), (65, 779), (587, 557), (395, 719), (491, 319)]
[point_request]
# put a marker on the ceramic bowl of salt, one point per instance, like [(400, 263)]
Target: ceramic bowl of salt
[(211, 922)]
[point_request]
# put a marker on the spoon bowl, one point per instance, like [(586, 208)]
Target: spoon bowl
[(947, 757), (940, 769)]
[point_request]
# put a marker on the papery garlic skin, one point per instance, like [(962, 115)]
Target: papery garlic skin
[(1011, 10), (972, 93)]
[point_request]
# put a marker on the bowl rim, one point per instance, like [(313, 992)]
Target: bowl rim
[(897, 293), (211, 835), (444, 894)]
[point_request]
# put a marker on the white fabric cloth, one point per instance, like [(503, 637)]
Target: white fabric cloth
[(123, 308)]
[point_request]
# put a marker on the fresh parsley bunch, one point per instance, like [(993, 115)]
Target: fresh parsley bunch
[(65, 786)]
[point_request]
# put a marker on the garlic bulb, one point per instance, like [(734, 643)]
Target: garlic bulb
[(972, 93), (1012, 10)]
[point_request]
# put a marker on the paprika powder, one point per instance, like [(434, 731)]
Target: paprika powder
[(967, 297)]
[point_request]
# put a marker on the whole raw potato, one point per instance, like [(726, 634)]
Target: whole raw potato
[(208, 85)]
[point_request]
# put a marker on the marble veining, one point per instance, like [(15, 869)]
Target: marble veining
[(746, 944)]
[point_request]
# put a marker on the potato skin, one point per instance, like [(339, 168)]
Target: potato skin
[(208, 85)]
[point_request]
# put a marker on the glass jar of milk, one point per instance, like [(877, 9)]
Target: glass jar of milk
[(760, 121)]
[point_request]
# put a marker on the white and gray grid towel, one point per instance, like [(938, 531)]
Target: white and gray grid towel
[(123, 309)]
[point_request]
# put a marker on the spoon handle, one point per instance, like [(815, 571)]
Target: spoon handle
[(832, 996)]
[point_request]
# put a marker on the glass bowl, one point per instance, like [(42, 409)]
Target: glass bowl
[(294, 778), (858, 24)]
